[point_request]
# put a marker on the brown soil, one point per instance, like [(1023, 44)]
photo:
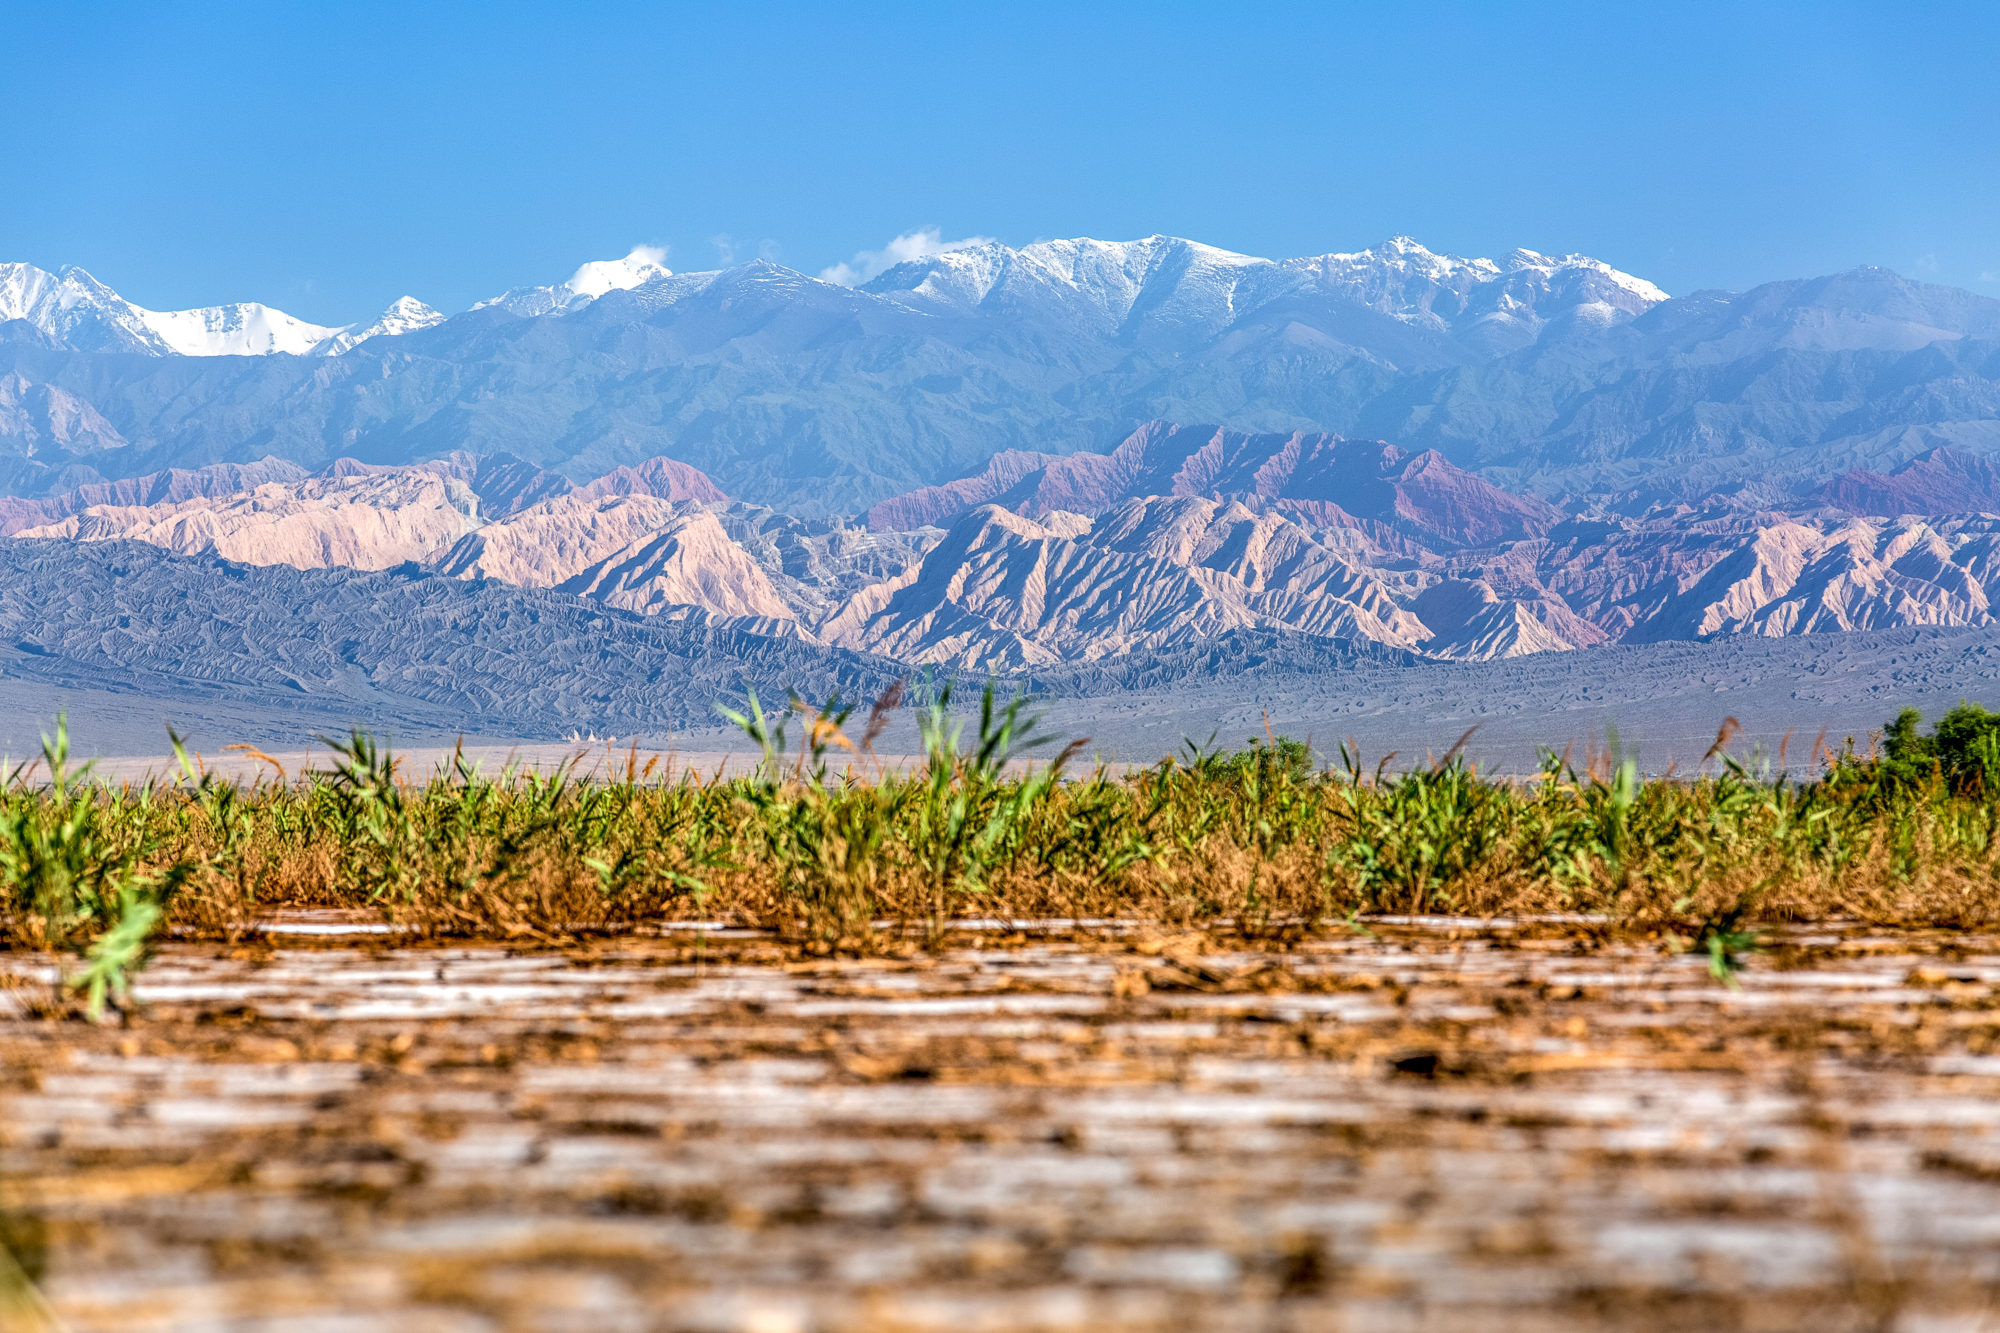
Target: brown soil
[(1439, 1126)]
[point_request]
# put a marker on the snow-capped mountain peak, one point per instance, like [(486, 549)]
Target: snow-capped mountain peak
[(405, 315), (1108, 278), (645, 263), (74, 309)]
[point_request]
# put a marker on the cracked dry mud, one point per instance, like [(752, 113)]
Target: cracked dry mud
[(1442, 1125)]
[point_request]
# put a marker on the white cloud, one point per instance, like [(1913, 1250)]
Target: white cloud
[(1992, 275), (645, 263), (920, 244)]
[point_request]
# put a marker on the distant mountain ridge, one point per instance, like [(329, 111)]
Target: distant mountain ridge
[(809, 394), (1112, 280), (1560, 377), (1128, 461)]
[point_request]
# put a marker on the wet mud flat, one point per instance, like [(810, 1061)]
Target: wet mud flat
[(1431, 1125)]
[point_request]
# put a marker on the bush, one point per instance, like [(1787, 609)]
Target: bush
[(1963, 751)]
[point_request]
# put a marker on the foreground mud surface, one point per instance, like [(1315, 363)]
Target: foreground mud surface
[(1439, 1125)]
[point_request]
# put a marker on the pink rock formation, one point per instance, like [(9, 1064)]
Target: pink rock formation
[(552, 542), (690, 562), (635, 552), (364, 522)]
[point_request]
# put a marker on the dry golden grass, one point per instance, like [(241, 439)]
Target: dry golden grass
[(1259, 843)]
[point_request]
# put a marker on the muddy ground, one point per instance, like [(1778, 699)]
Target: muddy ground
[(1421, 1125)]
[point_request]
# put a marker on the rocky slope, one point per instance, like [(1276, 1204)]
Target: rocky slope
[(1575, 583), (688, 563), (816, 565), (661, 478), (655, 538), (1003, 592), (41, 422), (551, 542), (1792, 578)]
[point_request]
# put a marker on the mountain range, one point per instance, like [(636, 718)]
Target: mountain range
[(1556, 377)]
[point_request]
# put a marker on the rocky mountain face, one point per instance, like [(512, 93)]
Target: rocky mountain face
[(46, 429), (1331, 482), (1556, 377), (1942, 481), (1688, 577), (1409, 453), (661, 478), (634, 552)]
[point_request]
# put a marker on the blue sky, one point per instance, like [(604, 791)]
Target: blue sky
[(327, 158)]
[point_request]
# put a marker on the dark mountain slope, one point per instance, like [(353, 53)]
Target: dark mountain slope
[(479, 656)]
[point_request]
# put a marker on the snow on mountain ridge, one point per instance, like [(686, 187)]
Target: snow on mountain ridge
[(1114, 275), (1525, 258), (244, 328), (1186, 282), (25, 290), (76, 310), (1407, 281)]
